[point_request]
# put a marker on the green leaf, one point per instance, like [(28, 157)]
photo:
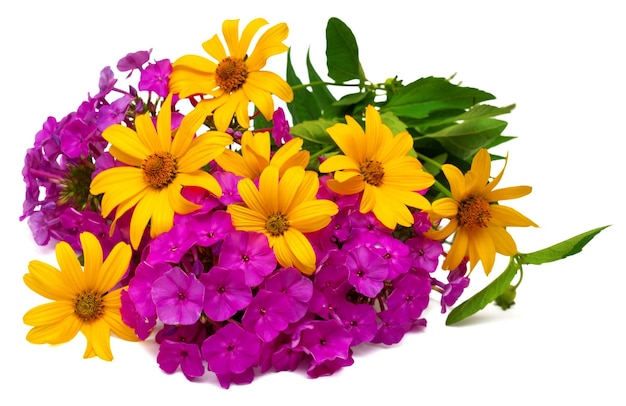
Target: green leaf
[(315, 130), (465, 139), (304, 105), (561, 250), (426, 95), (393, 122), (342, 52), (323, 96), (485, 296)]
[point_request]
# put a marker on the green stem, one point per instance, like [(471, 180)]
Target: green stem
[(437, 185), (305, 85), (429, 160), (322, 151)]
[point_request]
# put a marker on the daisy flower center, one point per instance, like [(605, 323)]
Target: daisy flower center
[(159, 169), (231, 74), (276, 224), (474, 212), (88, 306), (372, 172)]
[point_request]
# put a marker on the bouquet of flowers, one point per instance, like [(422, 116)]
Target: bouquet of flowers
[(244, 237)]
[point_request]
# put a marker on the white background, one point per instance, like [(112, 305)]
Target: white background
[(560, 62)]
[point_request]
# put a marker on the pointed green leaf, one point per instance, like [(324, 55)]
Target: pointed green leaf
[(314, 131), (426, 95), (304, 105), (561, 250), (323, 96), (393, 122), (342, 52), (484, 297), (465, 139)]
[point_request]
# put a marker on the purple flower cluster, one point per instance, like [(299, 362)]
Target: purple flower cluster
[(219, 302), (66, 153), (214, 297)]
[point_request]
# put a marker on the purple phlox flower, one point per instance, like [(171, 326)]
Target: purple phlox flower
[(171, 245), (228, 181), (106, 82), (421, 222), (267, 314), (297, 288), (226, 292), (367, 271), (280, 131), (281, 356), (141, 324), (409, 297), (332, 272), (43, 226), (359, 320), (104, 162), (329, 367), (457, 282), (208, 228), (194, 333), (178, 297), (48, 140), (367, 223), (231, 350), (324, 340), (395, 253), (173, 354), (156, 77), (133, 60), (242, 378), (340, 226), (113, 113), (93, 222), (76, 137), (391, 328), (425, 252), (250, 252)]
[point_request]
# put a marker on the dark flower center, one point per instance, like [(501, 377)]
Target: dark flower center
[(474, 213), (276, 224), (159, 169), (231, 74), (372, 172), (88, 306)]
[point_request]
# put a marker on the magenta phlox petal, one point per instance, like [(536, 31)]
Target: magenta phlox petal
[(250, 252), (231, 350), (178, 297), (226, 292), (297, 288), (267, 314), (186, 355)]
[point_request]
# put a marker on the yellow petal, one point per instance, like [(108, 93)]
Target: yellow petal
[(502, 240), (176, 200), (201, 179), (164, 125), (506, 216), (204, 149), (147, 134), (398, 146), (339, 163), (349, 138), (126, 140), (71, 270), (186, 132), (246, 219), (49, 313), (297, 250), (508, 193), (92, 253), (268, 189), (443, 233), (312, 215), (48, 282), (215, 48), (269, 44), (456, 180), (141, 215), (268, 83), (373, 132), (57, 333), (481, 247), (458, 250), (113, 317), (114, 267), (251, 197), (162, 213), (351, 186), (481, 168), (98, 334), (444, 208)]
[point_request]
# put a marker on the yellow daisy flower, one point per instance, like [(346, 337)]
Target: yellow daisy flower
[(82, 298), (158, 164), (255, 156), (234, 78), (284, 210), (376, 163), (480, 223)]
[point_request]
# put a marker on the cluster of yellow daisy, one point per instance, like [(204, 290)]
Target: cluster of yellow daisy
[(156, 161)]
